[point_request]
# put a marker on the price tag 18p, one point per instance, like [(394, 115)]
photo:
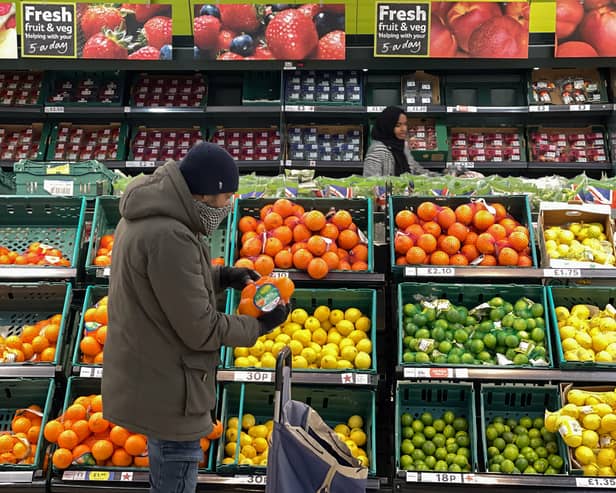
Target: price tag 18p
[(252, 376), (441, 477)]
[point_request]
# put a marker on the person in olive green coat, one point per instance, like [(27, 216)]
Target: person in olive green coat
[(165, 333)]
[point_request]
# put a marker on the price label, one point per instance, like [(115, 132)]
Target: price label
[(347, 378), (412, 477), (417, 372), (300, 108), (98, 372), (253, 376), (312, 164), (99, 476), (54, 109), (436, 271), (126, 476), (410, 271), (579, 107), (416, 109), (538, 108), (140, 164), (441, 477), (288, 163), (562, 273), (461, 109), (74, 476), (106, 271), (278, 274), (288, 66), (361, 379), (595, 482), (252, 479), (85, 372), (375, 109)]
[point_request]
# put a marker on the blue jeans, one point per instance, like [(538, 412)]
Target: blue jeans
[(173, 465)]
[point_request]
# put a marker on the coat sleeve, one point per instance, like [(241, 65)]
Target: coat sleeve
[(379, 161), (175, 272)]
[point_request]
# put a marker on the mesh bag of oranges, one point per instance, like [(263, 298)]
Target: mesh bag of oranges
[(264, 295), (19, 444), (94, 333), (35, 342)]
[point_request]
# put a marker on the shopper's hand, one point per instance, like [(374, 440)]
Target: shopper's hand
[(270, 320), (237, 277)]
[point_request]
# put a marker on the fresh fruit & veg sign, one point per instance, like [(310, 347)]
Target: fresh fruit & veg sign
[(402, 29), (48, 30)]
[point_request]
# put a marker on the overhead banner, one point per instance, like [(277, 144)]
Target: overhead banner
[(585, 29), (451, 29), (241, 31), (48, 30)]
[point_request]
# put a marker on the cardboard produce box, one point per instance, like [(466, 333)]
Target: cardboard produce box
[(567, 86)]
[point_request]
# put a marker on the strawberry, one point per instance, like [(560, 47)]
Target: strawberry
[(5, 8), (98, 17), (145, 53), (332, 46), (145, 11), (10, 24), (262, 52), (206, 29), (291, 35), (224, 39), (228, 55), (107, 44), (239, 17), (310, 9), (158, 31)]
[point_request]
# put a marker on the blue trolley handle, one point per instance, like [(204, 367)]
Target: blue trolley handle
[(282, 392)]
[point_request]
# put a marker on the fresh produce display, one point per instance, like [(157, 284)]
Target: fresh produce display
[(94, 334), (85, 88), (323, 87), (327, 339), (587, 424), (583, 145), (153, 90), (352, 433), (422, 135), (435, 444), (477, 233), (161, 144), (522, 446), (572, 89), (249, 144), (325, 143), (18, 446), (253, 440), (20, 141), (419, 91), (264, 295), (272, 31), (286, 236), (104, 251), (36, 253), (497, 332), (20, 88), (585, 30), (490, 145), (583, 242), (34, 343), (587, 333), (82, 143), (129, 31)]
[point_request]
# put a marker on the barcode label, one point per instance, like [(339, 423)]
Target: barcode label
[(54, 109), (58, 187)]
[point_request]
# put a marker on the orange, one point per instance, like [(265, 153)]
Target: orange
[(301, 258), (314, 220), (471, 238), (426, 242), (80, 450), (301, 233), (52, 430), (330, 231), (39, 343), (82, 429), (272, 246), (508, 256), (525, 261), (359, 265), (427, 211), (464, 214), (470, 252), (286, 287), (48, 354), (272, 221), (68, 439), (342, 219), (97, 423), (33, 434), (402, 243), (101, 335), (90, 314), (284, 207), (141, 461), (291, 221), (284, 234), (298, 245), (508, 223), (205, 443), (450, 245), (246, 236), (265, 210), (90, 346), (252, 247), (135, 444), (121, 458), (102, 449), (405, 218), (98, 359), (101, 315), (497, 231), (401, 260), (102, 260), (445, 217), (439, 258), (432, 228), (264, 265), (260, 229), (283, 259), (75, 412), (244, 262), (317, 245), (416, 255), (347, 239), (359, 252), (332, 260), (20, 424), (28, 333), (62, 458), (21, 450), (458, 230), (106, 241), (485, 242), (247, 307), (216, 429), (317, 268), (13, 342), (501, 211), (489, 260), (458, 259), (342, 254), (50, 331), (83, 400), (518, 240), (344, 265), (246, 224), (414, 231), (483, 220)]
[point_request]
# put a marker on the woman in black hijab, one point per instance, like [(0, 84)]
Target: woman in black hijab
[(388, 153)]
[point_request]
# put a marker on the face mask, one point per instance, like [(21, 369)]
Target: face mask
[(211, 217)]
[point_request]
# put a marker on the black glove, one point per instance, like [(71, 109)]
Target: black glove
[(237, 277), (270, 320)]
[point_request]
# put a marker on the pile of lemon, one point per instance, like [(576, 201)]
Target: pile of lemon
[(327, 339), (587, 424), (352, 433), (587, 333)]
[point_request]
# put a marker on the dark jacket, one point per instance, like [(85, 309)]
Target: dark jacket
[(164, 333)]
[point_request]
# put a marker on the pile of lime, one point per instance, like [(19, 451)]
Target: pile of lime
[(429, 444), (522, 446), (497, 332)]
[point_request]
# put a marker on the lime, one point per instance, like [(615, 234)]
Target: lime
[(430, 462), (521, 463), (496, 301), (522, 441), (539, 322), (439, 440), (454, 468), (421, 466), (408, 357), (417, 455), (508, 436), (531, 456), (417, 425), (494, 468), (429, 448), (484, 356), (519, 324), (535, 443), (507, 466), (410, 309), (429, 432), (499, 426), (511, 452), (406, 419), (511, 423), (538, 422), (530, 470), (448, 417), (460, 424), (410, 328), (520, 359), (491, 433), (497, 314), (489, 340), (556, 461), (460, 460), (493, 451), (450, 458), (541, 452), (440, 453), (426, 418), (498, 459), (438, 334), (449, 431), (526, 422), (444, 347), (418, 440), (541, 465), (551, 447), (441, 465), (486, 326), (422, 357), (507, 320), (430, 314), (420, 319), (452, 315), (537, 335), (536, 310), (406, 462), (465, 451), (460, 336), (407, 432), (520, 305), (422, 334), (477, 346), (463, 440), (452, 448), (512, 341), (407, 447), (499, 443), (551, 470), (453, 359)]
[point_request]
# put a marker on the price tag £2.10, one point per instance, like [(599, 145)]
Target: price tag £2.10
[(436, 271)]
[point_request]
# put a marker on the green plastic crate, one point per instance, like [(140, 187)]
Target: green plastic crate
[(7, 183), (334, 404), (261, 88), (40, 134), (360, 210), (121, 140), (515, 401), (517, 205), (89, 178), (100, 78), (19, 394), (105, 219), (417, 398), (56, 221), (470, 295), (575, 295), (309, 299)]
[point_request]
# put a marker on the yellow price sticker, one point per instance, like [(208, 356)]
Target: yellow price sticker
[(60, 169), (98, 476)]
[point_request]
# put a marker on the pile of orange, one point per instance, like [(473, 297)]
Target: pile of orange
[(35, 342), (94, 333), (84, 436), (285, 236), (35, 254), (476, 233), (285, 287), (103, 254), (18, 446)]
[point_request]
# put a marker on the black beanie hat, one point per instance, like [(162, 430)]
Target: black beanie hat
[(209, 170)]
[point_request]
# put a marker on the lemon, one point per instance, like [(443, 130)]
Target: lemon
[(257, 430), (230, 449), (342, 429), (268, 345), (248, 421), (605, 457), (312, 324), (245, 439), (363, 324), (336, 316), (585, 355), (269, 424), (260, 445), (322, 313), (268, 360), (573, 440), (296, 347), (345, 327), (341, 436), (299, 316), (358, 436), (331, 348), (344, 342), (591, 400), (304, 336), (348, 353), (551, 422), (571, 355), (591, 421), (328, 362), (351, 444), (276, 348), (352, 314), (232, 422), (562, 313), (363, 460), (228, 460), (583, 339), (602, 409), (241, 351), (608, 422), (343, 364), (299, 362), (363, 361), (580, 311), (590, 469), (242, 362), (608, 324), (355, 421), (603, 357), (309, 354), (606, 471), (283, 338), (356, 336), (231, 435), (365, 345), (326, 325), (315, 347), (334, 337), (585, 455), (577, 397), (291, 327), (570, 344), (319, 336), (600, 342), (249, 451), (257, 350), (590, 438)]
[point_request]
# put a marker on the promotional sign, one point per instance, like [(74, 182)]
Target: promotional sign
[(452, 29), (585, 29), (312, 31), (48, 30), (8, 33)]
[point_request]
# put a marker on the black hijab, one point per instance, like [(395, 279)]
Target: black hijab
[(383, 130)]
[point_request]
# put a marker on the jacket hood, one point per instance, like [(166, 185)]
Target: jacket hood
[(164, 193)]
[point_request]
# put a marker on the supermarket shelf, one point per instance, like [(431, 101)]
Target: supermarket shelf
[(242, 165), (20, 110), (298, 376), (247, 110), (507, 272), (84, 110), (356, 166), (484, 165), (325, 109), (340, 278), (571, 108), (555, 167), (170, 110), (19, 477), (26, 370), (10, 272)]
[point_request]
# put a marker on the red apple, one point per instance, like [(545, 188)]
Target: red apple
[(440, 9), (569, 14), (520, 11), (500, 37), (595, 4), (598, 29), (464, 17), (575, 49), (442, 42)]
